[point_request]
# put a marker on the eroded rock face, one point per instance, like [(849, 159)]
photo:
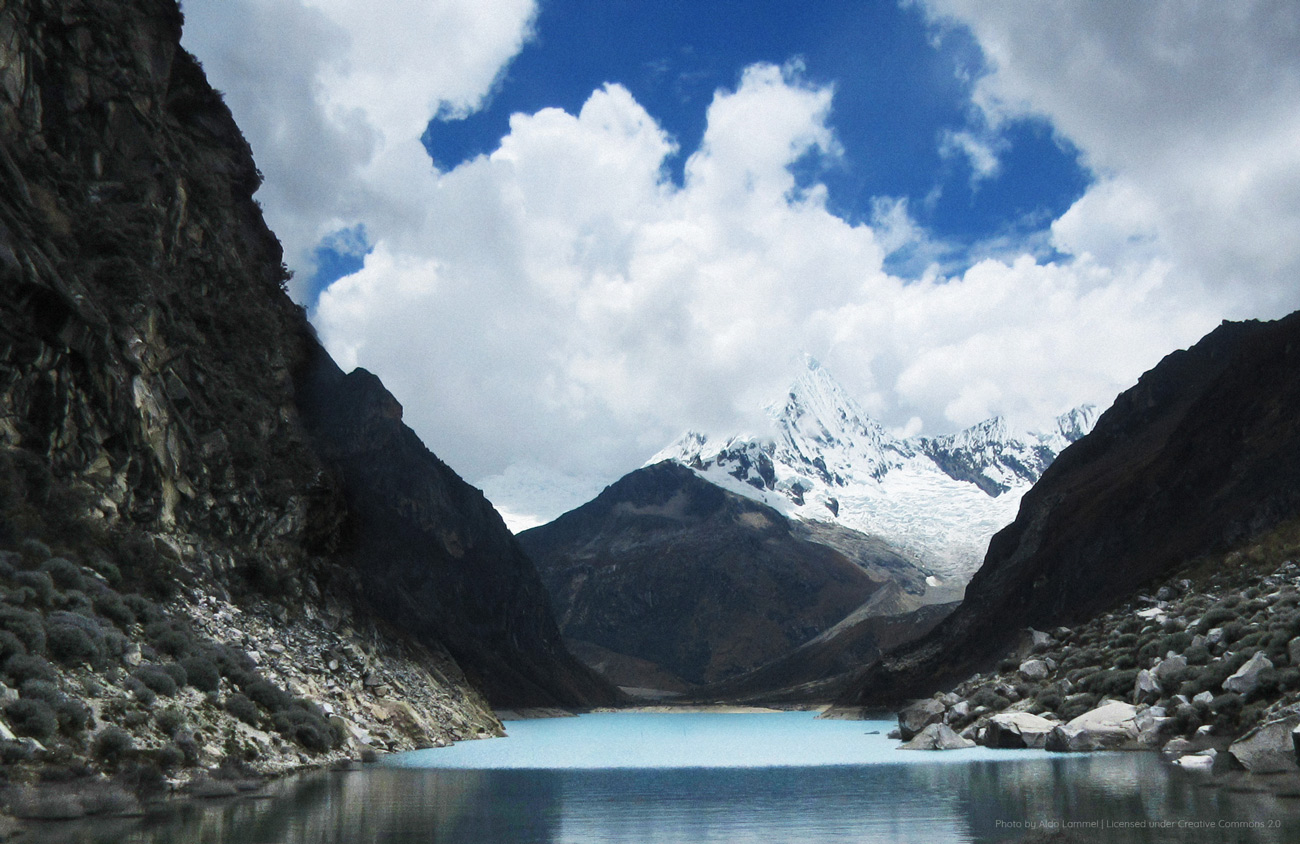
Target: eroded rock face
[(155, 377)]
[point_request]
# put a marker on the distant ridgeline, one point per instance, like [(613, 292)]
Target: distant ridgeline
[(170, 427), (772, 568)]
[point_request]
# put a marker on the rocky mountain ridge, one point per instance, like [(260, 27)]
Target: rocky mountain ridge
[(938, 499), (172, 434), (1199, 457), (668, 578)]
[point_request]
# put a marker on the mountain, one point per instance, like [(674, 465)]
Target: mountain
[(1200, 457), (185, 475), (938, 499), (668, 581)]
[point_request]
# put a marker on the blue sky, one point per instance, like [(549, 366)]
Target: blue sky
[(901, 86), (563, 232)]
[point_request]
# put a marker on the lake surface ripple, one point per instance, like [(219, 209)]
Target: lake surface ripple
[(785, 777)]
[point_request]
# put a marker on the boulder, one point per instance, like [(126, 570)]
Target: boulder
[(1165, 668), (1146, 687), (1175, 748), (1111, 725), (1018, 729), (917, 716), (937, 737), (1293, 651), (1247, 677), (1148, 723), (1269, 748), (1035, 669), (1204, 697), (1202, 761)]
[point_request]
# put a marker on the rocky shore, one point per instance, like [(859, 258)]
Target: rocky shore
[(1204, 668)]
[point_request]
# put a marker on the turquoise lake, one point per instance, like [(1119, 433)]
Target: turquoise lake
[(783, 777)]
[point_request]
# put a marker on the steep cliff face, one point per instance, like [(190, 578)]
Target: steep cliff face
[(166, 409), (1201, 455), (432, 554)]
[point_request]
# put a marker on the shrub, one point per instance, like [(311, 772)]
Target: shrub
[(13, 752), (22, 667), (40, 583), (142, 693), (145, 610), (169, 638), (65, 573), (10, 645), (112, 743), (34, 551), (73, 716), (111, 606), (156, 679), (304, 727), (169, 757), (169, 721), (1216, 617), (190, 747), (202, 673), (69, 645), (31, 717), (1197, 655), (272, 697), (27, 626), (242, 708)]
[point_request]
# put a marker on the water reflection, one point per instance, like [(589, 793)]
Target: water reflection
[(1104, 797)]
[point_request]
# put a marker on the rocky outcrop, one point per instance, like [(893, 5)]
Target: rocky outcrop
[(937, 737), (1201, 455), (704, 584), (165, 428)]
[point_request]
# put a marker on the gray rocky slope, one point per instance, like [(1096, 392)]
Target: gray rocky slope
[(185, 476)]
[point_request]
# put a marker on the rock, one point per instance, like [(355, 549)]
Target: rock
[(1269, 748), (1018, 729), (1204, 697), (919, 715), (1109, 726), (1035, 669), (894, 734), (1202, 761), (1213, 637), (1064, 739), (1175, 748), (959, 710), (937, 737), (1293, 651), (1038, 638), (1146, 686), (1246, 680), (1165, 669), (1148, 722)]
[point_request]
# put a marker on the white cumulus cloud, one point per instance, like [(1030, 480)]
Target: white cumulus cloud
[(558, 306)]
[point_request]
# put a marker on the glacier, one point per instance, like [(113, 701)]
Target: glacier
[(936, 499)]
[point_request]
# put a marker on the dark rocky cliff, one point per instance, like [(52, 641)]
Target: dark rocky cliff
[(431, 552), (166, 410), (1201, 455)]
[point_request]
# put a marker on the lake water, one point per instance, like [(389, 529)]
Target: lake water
[(628, 778)]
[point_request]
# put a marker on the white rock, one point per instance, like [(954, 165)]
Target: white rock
[(1246, 679)]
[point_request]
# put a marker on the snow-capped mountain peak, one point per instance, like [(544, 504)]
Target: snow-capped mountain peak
[(939, 498)]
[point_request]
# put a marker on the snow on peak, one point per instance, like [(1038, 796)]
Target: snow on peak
[(939, 498)]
